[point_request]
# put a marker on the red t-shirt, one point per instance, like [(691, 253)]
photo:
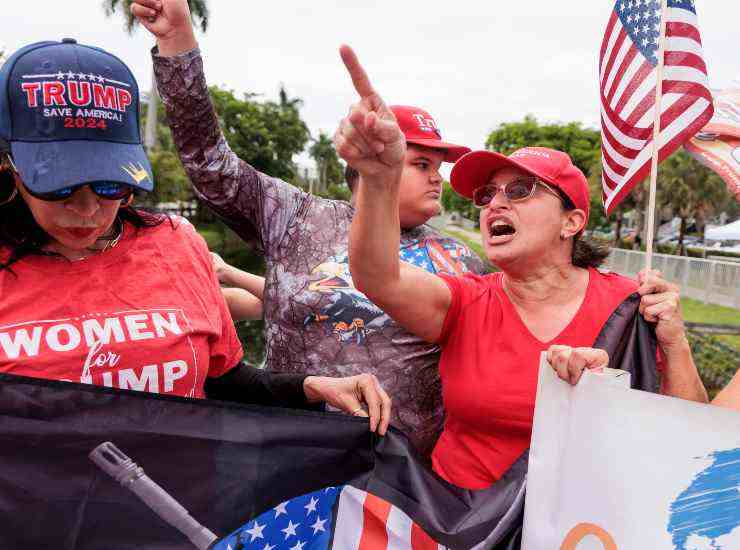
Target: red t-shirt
[(489, 369), (146, 315)]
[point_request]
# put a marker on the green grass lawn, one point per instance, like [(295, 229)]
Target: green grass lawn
[(699, 312)]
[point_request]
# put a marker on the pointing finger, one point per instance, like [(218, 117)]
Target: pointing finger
[(385, 131), (359, 77)]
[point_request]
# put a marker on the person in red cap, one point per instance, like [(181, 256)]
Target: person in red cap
[(316, 321), (548, 296), (417, 203)]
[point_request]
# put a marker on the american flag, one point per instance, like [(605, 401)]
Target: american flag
[(340, 518), (627, 81)]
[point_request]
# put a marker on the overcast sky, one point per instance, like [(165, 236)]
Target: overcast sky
[(473, 64)]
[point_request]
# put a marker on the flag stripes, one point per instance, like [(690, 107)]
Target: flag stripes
[(627, 82), (367, 522)]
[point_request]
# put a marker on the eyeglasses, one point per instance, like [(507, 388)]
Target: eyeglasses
[(109, 190), (517, 190)]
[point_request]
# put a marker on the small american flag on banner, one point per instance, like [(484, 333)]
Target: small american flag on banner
[(340, 518), (627, 80)]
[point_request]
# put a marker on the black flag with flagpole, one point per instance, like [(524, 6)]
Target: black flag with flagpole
[(85, 467)]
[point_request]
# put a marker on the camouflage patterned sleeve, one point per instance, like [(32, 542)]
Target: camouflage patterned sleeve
[(258, 207)]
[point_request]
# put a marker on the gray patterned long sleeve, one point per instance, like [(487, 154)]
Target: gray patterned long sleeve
[(258, 207)]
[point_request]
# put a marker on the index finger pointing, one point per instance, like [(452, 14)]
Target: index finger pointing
[(356, 72)]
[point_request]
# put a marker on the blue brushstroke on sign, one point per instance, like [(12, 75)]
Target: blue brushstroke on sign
[(710, 506)]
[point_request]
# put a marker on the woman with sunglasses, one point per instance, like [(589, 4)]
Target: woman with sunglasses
[(548, 296), (94, 290)]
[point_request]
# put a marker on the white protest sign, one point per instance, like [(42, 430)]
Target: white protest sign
[(615, 468)]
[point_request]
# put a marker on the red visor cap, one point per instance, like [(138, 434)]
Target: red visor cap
[(553, 167), (419, 128)]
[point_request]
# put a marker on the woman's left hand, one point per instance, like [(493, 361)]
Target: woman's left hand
[(569, 363), (661, 304), (352, 395)]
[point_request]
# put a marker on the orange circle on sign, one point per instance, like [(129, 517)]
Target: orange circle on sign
[(581, 531)]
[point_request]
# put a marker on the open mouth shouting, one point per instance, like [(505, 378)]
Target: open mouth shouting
[(500, 230)]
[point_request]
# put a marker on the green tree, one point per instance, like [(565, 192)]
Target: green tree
[(265, 134), (731, 206), (690, 190), (597, 217), (582, 144), (452, 202), (330, 169), (171, 182)]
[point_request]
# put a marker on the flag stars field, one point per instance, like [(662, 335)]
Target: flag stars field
[(290, 529), (280, 509), (289, 525), (628, 69), (318, 525), (311, 506), (256, 531)]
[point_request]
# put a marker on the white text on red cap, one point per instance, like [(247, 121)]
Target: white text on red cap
[(425, 124), (531, 153)]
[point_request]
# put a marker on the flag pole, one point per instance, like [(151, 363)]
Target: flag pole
[(649, 231)]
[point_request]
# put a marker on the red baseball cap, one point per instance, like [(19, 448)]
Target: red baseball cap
[(420, 129), (551, 166)]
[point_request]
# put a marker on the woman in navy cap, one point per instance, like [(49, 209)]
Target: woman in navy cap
[(95, 290), (548, 297)]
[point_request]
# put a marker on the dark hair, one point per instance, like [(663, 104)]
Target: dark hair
[(24, 237), (351, 176), (585, 252)]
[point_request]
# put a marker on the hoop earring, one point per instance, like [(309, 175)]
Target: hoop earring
[(11, 198)]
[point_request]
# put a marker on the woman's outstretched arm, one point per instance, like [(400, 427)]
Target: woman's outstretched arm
[(370, 140)]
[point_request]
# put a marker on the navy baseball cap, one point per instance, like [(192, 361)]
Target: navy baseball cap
[(69, 115)]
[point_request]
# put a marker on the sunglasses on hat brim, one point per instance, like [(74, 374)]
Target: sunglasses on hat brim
[(109, 190)]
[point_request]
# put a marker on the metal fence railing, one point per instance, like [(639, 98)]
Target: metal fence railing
[(711, 281)]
